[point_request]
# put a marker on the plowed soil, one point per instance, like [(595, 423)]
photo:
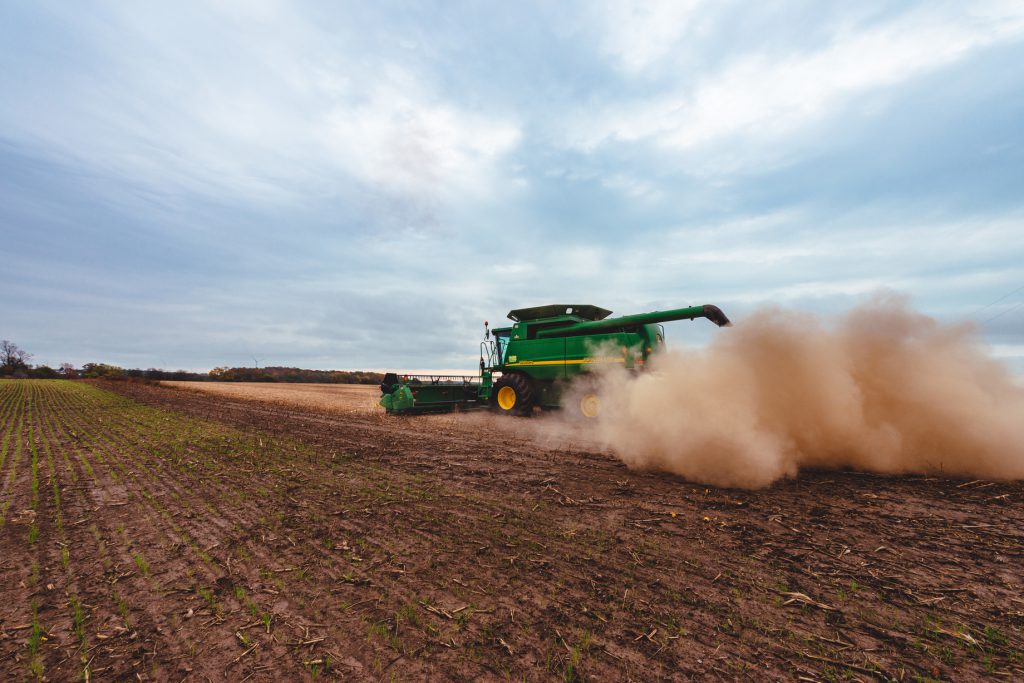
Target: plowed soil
[(159, 533), (346, 398)]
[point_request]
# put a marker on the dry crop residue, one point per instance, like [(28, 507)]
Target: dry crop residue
[(345, 397), (182, 534)]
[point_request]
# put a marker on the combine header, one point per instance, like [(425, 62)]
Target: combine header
[(533, 362)]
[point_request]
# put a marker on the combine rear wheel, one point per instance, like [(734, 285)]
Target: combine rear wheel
[(582, 400), (514, 395), (590, 405)]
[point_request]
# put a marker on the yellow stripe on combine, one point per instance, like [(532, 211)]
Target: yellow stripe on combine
[(577, 361)]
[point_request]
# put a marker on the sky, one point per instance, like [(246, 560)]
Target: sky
[(340, 185)]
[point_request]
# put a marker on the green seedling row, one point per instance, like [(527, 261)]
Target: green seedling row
[(117, 438)]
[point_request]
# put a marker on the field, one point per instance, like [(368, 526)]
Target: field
[(161, 533), (349, 398)]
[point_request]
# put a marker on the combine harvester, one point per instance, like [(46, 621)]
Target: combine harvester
[(533, 362)]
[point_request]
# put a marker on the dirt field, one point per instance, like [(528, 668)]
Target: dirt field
[(154, 533), (356, 398)]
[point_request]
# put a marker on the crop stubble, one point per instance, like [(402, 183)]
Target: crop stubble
[(180, 535)]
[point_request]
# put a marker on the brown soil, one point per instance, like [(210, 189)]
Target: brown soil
[(332, 397), (468, 547)]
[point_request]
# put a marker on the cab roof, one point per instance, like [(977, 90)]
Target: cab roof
[(584, 311)]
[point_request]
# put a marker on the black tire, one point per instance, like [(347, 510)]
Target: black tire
[(514, 395)]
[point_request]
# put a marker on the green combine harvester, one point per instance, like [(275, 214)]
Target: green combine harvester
[(534, 362)]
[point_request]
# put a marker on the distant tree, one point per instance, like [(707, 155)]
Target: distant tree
[(43, 372), (280, 374), (13, 360), (102, 371), (67, 371)]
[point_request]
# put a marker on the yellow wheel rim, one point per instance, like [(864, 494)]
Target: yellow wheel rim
[(506, 398), (590, 405)]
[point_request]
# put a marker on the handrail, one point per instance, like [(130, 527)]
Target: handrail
[(438, 379)]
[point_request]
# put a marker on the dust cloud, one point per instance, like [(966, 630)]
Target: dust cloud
[(883, 389)]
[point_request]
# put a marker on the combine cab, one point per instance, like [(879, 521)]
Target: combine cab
[(532, 363)]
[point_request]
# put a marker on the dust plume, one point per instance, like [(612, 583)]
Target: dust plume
[(884, 390)]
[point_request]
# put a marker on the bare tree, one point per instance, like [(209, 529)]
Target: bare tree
[(12, 358)]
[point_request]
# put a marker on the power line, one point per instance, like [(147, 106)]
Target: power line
[(1005, 296), (1000, 315)]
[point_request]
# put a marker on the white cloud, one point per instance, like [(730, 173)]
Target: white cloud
[(399, 137), (641, 35), (312, 158), (266, 107), (633, 186), (764, 96), (948, 266), (1008, 351)]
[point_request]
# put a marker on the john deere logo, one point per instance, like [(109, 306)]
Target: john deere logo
[(511, 359)]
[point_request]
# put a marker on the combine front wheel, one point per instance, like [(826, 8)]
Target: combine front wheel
[(514, 395)]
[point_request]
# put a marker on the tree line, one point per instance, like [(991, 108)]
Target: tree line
[(16, 362), (281, 374)]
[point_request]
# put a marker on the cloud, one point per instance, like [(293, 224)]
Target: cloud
[(394, 136), (641, 35), (761, 96), (179, 184), (257, 108)]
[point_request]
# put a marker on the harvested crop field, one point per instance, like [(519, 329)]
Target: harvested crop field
[(333, 397), (156, 533)]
